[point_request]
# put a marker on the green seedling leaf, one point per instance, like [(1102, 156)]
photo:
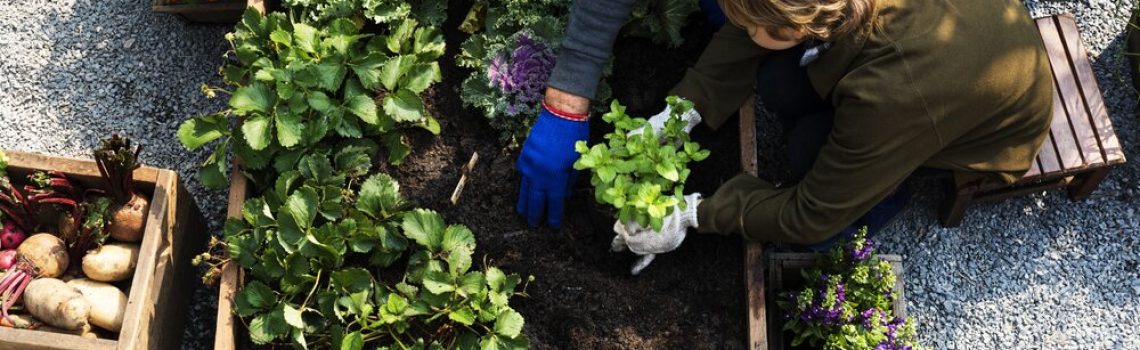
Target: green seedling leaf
[(253, 98), (254, 297), (363, 107), (425, 227), (380, 198), (198, 131), (509, 324)]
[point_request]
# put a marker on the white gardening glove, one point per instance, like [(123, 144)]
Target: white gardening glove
[(647, 243), (657, 122)]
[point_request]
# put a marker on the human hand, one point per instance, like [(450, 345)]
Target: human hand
[(545, 164), (646, 242), (690, 117)]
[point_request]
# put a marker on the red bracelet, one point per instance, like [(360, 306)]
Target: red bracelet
[(576, 117)]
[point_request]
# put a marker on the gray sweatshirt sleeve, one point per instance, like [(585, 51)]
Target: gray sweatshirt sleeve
[(588, 43)]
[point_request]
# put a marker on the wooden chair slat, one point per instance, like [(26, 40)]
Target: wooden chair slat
[(1034, 169), (1065, 141), (1047, 156), (1086, 143), (1109, 144)]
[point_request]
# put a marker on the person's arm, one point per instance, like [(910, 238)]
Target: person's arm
[(588, 44), (880, 136), (724, 76)]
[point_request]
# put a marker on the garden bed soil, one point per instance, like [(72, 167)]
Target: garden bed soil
[(583, 296)]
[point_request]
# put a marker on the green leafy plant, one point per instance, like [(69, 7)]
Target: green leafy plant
[(432, 12), (340, 261), (296, 84), (641, 175), (847, 302), (661, 20)]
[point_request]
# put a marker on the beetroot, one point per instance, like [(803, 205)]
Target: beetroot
[(11, 236), (7, 259)]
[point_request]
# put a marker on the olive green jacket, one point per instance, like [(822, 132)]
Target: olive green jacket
[(962, 85)]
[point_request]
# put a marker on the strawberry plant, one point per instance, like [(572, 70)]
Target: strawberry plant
[(295, 85), (847, 302), (431, 12), (641, 175), (339, 261)]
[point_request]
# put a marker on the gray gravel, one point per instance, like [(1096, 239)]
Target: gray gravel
[(1036, 272), (73, 71), (1033, 272)]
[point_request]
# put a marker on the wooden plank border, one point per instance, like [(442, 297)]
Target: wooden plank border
[(753, 251)]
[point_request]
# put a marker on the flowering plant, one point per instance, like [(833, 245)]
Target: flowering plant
[(847, 302)]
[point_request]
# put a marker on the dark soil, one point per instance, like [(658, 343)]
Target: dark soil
[(583, 296)]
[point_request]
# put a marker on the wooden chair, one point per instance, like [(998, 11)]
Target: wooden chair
[(1081, 146)]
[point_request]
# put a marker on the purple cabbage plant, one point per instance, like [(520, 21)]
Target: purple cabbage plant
[(510, 80), (847, 302)]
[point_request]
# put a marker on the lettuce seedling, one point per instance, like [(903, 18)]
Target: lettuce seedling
[(642, 175)]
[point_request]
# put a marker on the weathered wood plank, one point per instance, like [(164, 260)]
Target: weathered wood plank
[(140, 305), (224, 333), (1066, 82), (1048, 156), (1090, 91), (753, 251)]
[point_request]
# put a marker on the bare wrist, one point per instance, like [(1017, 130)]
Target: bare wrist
[(567, 102)]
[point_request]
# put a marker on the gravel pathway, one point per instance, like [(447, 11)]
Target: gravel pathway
[(72, 71), (1032, 272)]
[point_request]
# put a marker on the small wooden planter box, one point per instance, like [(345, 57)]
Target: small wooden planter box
[(784, 273), (160, 291), (220, 11)]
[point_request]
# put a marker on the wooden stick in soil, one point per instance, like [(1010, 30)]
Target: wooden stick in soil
[(466, 172), (753, 261)]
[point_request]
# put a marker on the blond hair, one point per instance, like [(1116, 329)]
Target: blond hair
[(819, 19)]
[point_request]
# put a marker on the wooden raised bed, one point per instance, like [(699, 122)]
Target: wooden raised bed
[(225, 335), (784, 273), (204, 11), (160, 291)]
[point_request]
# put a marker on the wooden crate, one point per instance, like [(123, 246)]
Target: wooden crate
[(784, 272), (228, 329), (159, 297), (217, 12)]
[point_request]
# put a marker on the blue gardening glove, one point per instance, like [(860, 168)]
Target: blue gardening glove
[(546, 164)]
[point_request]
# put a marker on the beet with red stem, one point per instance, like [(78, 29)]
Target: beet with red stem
[(117, 160), (54, 190), (16, 207)]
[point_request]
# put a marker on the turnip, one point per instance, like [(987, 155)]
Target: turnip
[(7, 259), (117, 162), (111, 263), (11, 235), (108, 304), (57, 304), (41, 255)]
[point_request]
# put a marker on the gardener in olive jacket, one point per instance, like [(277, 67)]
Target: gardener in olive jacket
[(867, 91)]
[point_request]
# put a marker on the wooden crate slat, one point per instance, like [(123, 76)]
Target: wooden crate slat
[(1090, 91), (1034, 169), (1086, 143), (140, 306), (753, 251), (1048, 156), (1063, 140)]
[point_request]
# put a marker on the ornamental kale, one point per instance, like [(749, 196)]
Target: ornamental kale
[(339, 261), (847, 302), (642, 175), (511, 91)]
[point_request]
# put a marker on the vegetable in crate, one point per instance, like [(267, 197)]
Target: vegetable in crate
[(58, 304), (847, 302), (56, 199), (117, 161), (41, 255), (108, 303)]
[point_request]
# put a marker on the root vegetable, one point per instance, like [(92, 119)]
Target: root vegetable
[(41, 255), (11, 236), (57, 304), (117, 161), (112, 262), (7, 259), (108, 303)]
